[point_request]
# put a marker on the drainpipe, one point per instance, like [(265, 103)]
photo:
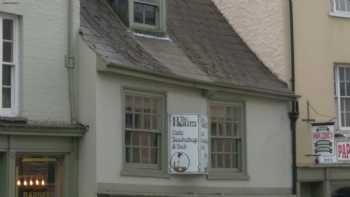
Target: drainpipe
[(70, 61), (294, 114)]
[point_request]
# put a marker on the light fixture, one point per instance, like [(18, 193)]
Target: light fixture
[(37, 182), (42, 182), (19, 183), (25, 183), (31, 183)]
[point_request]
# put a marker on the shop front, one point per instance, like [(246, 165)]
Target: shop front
[(39, 161)]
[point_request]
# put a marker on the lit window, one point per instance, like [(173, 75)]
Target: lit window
[(341, 6), (8, 61), (39, 176), (145, 14), (343, 95), (143, 128)]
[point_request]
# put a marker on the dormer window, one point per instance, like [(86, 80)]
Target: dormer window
[(145, 14), (142, 16)]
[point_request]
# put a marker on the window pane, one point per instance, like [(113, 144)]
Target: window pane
[(129, 101), (7, 29), (342, 88), (6, 75), (129, 121), (138, 121), (147, 121), (341, 73), (136, 155), (7, 53), (213, 128), (138, 104), (150, 12), (6, 97), (154, 155), (148, 105), (39, 176), (138, 12), (228, 161), (229, 129), (348, 5)]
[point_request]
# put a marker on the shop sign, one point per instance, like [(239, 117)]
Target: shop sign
[(323, 142), (188, 144), (343, 151)]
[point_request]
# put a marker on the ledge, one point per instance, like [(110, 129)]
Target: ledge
[(41, 129), (120, 189), (340, 15)]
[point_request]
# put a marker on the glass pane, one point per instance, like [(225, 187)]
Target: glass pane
[(154, 140), (150, 12), (347, 119), (213, 160), (7, 53), (128, 155), (341, 74), (228, 146), (236, 130), (220, 128), (129, 100), (136, 155), (7, 29), (217, 111), (213, 128), (39, 176), (229, 114), (138, 12), (213, 145), (129, 121), (144, 139), (155, 122), (237, 114), (154, 155), (6, 75), (147, 119), (128, 138), (138, 104), (147, 108), (229, 129), (348, 5), (135, 138), (6, 97), (342, 89), (138, 121), (146, 155), (228, 160), (220, 161), (219, 146)]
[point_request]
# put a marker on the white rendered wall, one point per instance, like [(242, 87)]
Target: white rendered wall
[(268, 136), (43, 82), (264, 26)]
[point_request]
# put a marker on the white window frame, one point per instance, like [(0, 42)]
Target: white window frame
[(338, 13), (338, 97), (13, 111)]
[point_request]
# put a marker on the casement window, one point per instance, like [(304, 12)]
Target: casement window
[(340, 8), (343, 96), (145, 14), (9, 64), (143, 131), (227, 139)]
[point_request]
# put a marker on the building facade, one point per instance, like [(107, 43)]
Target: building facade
[(321, 67), (135, 72), (38, 140)]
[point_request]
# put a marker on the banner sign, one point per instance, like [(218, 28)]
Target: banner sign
[(323, 142), (343, 151), (188, 144)]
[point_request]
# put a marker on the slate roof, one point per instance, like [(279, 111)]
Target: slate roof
[(203, 46)]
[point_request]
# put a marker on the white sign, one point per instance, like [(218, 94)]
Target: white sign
[(343, 151), (323, 142), (188, 144)]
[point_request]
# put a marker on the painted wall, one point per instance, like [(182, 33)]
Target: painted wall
[(321, 41), (87, 116), (264, 26), (43, 81), (268, 136)]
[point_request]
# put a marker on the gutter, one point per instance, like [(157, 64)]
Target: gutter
[(70, 61), (294, 114), (187, 82)]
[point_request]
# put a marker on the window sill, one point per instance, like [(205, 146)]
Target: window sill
[(227, 175), (339, 14), (144, 172)]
